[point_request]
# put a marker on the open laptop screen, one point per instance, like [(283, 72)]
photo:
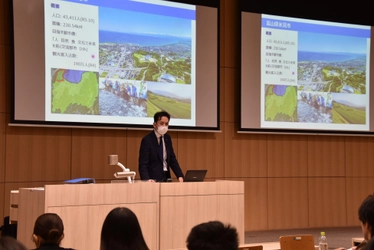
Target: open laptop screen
[(195, 175)]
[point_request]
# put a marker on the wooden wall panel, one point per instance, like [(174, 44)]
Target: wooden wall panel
[(358, 188), (37, 154), (3, 78), (6, 53), (287, 203), (222, 94), (208, 152), (245, 154), (326, 156), (5, 104), (359, 153), (222, 38), (229, 60), (2, 148), (3, 22), (287, 156), (231, 94), (5, 63), (90, 151), (230, 30), (3, 213), (255, 204), (6, 20), (327, 202)]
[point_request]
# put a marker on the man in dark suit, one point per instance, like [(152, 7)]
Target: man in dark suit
[(156, 155)]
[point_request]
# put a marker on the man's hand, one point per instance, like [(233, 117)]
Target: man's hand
[(180, 179)]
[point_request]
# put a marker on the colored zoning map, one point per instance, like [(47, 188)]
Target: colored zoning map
[(75, 92), (281, 103)]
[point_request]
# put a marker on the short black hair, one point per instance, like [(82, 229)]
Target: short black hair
[(213, 235), (366, 212), (158, 115)]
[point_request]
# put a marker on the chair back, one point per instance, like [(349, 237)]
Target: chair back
[(259, 247), (297, 242)]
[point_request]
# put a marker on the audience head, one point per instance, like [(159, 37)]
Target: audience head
[(10, 243), (48, 228), (366, 216), (121, 231), (213, 235)]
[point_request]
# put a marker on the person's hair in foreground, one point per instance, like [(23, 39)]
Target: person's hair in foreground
[(366, 216), (121, 231), (10, 243), (213, 235), (48, 228), (158, 115)]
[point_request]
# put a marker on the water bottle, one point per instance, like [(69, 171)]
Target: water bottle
[(323, 242)]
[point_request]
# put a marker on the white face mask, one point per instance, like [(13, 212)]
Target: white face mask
[(162, 130)]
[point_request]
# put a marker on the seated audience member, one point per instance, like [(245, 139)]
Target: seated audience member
[(48, 232), (361, 246), (10, 243), (213, 235), (366, 217), (121, 231), (369, 245)]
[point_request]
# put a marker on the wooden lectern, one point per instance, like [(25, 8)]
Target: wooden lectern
[(166, 211), (184, 205)]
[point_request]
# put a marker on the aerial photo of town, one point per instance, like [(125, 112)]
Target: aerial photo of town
[(135, 57), (331, 79)]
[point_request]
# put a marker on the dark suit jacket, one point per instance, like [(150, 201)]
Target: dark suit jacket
[(150, 159)]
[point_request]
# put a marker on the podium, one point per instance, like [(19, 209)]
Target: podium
[(166, 211), (184, 205)]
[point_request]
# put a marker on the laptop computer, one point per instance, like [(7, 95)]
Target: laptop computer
[(195, 175)]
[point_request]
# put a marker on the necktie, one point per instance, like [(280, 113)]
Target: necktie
[(162, 151), (161, 147)]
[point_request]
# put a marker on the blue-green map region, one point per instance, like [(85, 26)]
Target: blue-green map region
[(75, 92), (280, 103)]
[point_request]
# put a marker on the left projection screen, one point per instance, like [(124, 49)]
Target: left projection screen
[(115, 63)]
